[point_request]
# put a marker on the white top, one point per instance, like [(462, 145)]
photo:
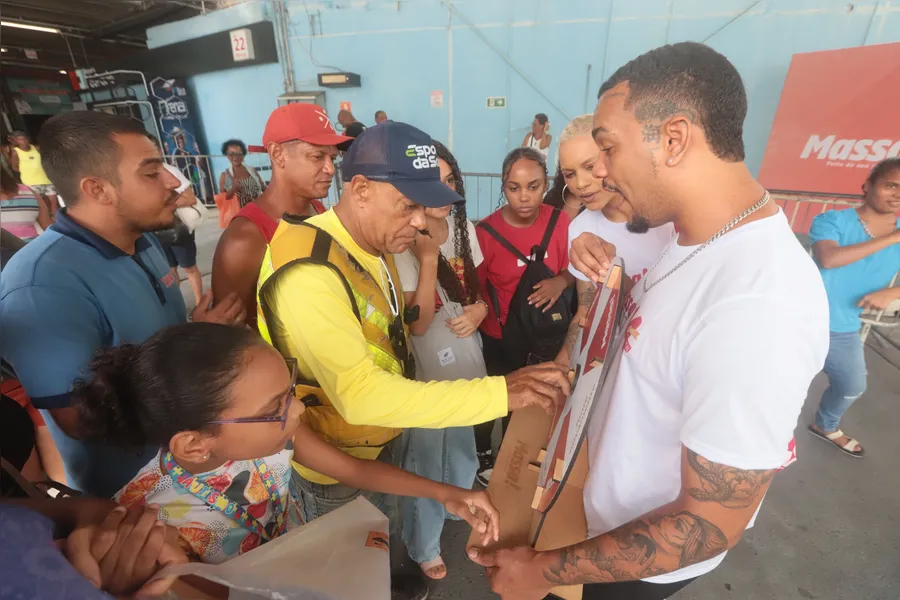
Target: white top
[(638, 250), (182, 180), (535, 143), (408, 266), (720, 358)]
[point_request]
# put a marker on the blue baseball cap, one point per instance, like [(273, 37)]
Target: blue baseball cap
[(403, 156)]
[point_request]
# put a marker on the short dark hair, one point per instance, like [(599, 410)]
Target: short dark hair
[(19, 133), (882, 169), (237, 143), (692, 79), (541, 118), (79, 144), (380, 112), (177, 380)]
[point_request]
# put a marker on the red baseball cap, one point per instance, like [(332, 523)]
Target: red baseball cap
[(299, 121)]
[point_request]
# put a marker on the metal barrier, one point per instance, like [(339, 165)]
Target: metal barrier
[(204, 170), (482, 194)]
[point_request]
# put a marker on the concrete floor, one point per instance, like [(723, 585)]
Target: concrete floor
[(828, 530)]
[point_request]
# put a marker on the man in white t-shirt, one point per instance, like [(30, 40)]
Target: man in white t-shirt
[(725, 334)]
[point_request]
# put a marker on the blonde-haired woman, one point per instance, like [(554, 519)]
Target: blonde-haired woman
[(599, 212)]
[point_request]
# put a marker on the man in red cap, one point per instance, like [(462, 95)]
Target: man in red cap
[(301, 143)]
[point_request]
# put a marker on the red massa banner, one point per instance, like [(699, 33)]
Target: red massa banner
[(839, 115)]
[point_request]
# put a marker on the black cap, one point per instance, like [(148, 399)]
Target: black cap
[(403, 156)]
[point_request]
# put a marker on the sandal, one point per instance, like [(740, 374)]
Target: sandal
[(434, 569), (851, 448)]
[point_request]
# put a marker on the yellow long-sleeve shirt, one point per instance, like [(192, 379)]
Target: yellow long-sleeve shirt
[(314, 321)]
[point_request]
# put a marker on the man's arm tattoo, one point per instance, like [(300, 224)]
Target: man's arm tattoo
[(728, 486), (585, 299), (643, 548)]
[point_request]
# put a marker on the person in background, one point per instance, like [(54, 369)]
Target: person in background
[(184, 253), (725, 333), (380, 117), (302, 145), (352, 127), (22, 213), (26, 159), (858, 252), (440, 284), (538, 138), (328, 298), (523, 221), (94, 279), (219, 402), (605, 216), (238, 178)]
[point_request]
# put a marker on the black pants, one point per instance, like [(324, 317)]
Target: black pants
[(497, 363), (632, 590)]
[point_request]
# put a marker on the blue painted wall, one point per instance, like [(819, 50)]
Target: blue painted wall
[(405, 49)]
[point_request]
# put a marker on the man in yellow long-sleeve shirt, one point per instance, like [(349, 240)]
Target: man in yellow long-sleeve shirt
[(329, 297)]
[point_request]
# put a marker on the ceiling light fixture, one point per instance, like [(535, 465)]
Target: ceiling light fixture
[(3, 50), (63, 71), (27, 26)]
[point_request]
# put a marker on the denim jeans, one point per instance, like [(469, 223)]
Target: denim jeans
[(443, 455), (317, 499), (845, 366)]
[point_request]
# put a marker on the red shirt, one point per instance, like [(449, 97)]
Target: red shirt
[(504, 270), (266, 224)]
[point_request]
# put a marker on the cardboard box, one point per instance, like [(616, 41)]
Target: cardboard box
[(513, 485)]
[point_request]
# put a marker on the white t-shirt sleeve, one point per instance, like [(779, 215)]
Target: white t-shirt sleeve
[(408, 269), (576, 228), (747, 366), (477, 256)]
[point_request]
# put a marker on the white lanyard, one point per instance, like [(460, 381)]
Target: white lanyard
[(393, 301)]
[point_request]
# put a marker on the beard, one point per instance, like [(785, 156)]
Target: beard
[(638, 224)]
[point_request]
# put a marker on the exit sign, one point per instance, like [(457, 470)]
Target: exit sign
[(496, 101)]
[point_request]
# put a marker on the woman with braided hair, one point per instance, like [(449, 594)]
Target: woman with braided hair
[(440, 284)]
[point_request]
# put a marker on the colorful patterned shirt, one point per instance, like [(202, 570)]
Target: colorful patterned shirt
[(208, 533)]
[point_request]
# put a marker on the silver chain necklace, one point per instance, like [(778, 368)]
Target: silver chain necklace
[(730, 225), (864, 226)]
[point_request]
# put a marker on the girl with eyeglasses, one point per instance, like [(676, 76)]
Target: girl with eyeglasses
[(220, 403)]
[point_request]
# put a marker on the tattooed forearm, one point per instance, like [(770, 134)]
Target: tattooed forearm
[(649, 546), (586, 296), (730, 487), (585, 299)]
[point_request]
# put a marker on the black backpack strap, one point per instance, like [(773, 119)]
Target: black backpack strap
[(548, 233), (504, 242)]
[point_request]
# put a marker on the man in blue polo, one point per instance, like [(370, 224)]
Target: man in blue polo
[(94, 279)]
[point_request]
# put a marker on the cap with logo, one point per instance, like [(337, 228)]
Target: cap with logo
[(299, 121), (403, 156)]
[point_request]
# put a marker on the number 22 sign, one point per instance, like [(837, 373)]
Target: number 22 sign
[(242, 45)]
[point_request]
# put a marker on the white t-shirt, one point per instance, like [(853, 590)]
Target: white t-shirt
[(408, 265), (720, 359), (638, 250)]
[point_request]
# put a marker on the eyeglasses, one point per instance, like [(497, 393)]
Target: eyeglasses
[(288, 399)]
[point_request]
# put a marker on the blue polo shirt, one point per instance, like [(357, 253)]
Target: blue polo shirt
[(62, 297), (847, 285)]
